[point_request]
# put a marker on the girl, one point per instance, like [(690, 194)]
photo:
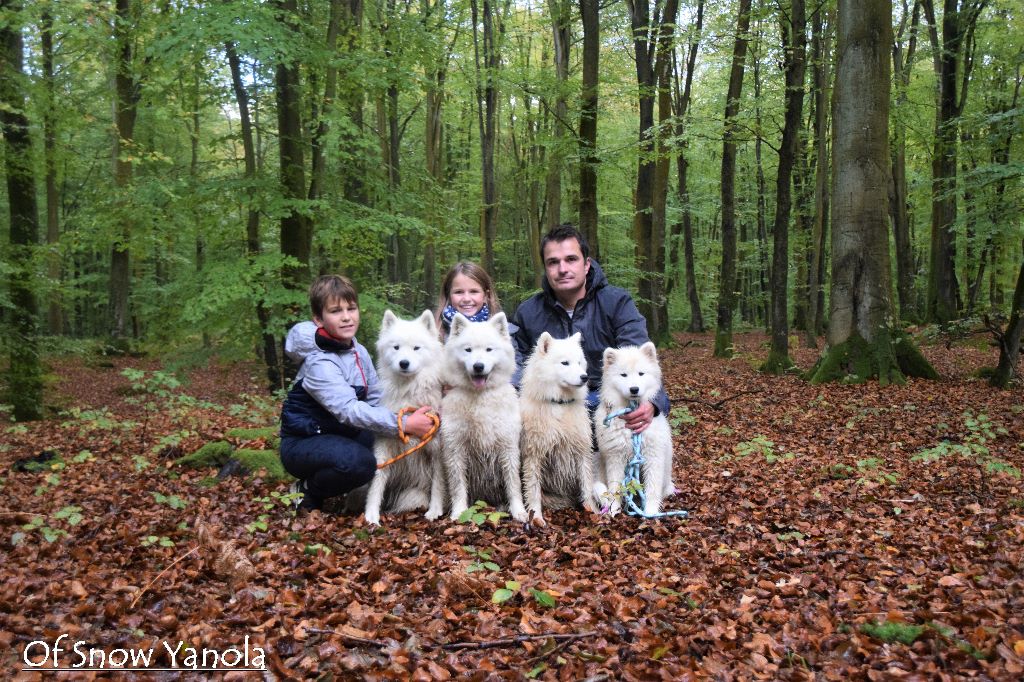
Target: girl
[(467, 289)]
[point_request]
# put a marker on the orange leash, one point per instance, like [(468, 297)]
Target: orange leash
[(427, 437)]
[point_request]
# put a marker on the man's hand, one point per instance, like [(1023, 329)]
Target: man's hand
[(418, 423), (639, 419)]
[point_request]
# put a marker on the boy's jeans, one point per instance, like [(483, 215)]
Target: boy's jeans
[(330, 464)]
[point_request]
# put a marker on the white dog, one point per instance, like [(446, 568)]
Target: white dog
[(632, 374), (556, 438), (480, 425), (409, 365)]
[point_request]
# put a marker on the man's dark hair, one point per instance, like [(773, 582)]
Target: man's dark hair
[(560, 234)]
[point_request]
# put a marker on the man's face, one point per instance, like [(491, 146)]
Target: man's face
[(565, 268)]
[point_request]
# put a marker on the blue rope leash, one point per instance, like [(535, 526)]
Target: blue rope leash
[(631, 481)]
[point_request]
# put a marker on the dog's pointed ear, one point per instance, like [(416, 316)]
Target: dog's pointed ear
[(577, 338), (650, 350), (501, 322), (544, 343), (427, 320), (389, 319), (609, 356), (459, 323)]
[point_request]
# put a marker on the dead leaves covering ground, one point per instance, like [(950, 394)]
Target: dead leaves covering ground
[(810, 529)]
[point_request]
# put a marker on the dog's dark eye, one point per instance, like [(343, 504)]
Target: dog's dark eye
[(469, 350), (565, 362), (489, 350), (624, 374), (396, 346), (640, 373), (415, 347)]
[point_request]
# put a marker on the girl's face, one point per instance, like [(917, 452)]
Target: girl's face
[(466, 295)]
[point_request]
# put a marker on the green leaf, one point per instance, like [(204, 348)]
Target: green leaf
[(541, 667), (491, 566), (543, 598), (502, 595)]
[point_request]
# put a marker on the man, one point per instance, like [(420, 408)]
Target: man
[(576, 297)]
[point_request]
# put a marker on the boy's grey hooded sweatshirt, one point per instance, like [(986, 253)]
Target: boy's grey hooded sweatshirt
[(342, 383)]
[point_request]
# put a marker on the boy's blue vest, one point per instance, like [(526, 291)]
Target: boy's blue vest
[(302, 415)]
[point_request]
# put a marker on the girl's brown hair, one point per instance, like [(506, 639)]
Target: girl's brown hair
[(475, 273)]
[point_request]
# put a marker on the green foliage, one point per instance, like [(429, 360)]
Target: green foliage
[(482, 560), (980, 431), (172, 501), (871, 471), (477, 514), (889, 631), (759, 444), (680, 416), (260, 524), (38, 523), (71, 514), (159, 540), (215, 453), (503, 594)]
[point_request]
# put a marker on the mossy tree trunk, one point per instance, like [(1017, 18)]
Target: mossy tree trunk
[(24, 379), (862, 340)]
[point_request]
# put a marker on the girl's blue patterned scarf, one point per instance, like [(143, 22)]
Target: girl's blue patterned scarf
[(448, 314)]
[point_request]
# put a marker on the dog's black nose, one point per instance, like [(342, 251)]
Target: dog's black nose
[(404, 364), (478, 367), (583, 378), (634, 390)]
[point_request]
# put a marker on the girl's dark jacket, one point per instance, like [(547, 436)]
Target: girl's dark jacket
[(606, 316)]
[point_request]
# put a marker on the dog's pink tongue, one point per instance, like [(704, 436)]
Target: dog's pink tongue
[(479, 382)]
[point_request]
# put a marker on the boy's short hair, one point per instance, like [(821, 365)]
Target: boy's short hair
[(560, 234), (326, 288)]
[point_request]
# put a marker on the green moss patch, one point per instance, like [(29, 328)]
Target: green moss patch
[(270, 434), (890, 358), (214, 454), (263, 460)]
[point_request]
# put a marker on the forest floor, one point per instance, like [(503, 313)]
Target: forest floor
[(817, 545)]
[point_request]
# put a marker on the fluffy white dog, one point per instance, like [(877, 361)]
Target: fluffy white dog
[(409, 366), (632, 374), (556, 437), (480, 424)]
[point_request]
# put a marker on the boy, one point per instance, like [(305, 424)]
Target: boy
[(332, 411)]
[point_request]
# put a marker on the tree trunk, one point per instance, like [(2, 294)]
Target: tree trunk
[(296, 231), (488, 60), (55, 311), (24, 374), (727, 284), (862, 341), (434, 151), (126, 99), (794, 47), (816, 270), (561, 22), (955, 59), (354, 175), (902, 66), (684, 227), (1009, 344), (271, 359), (588, 124)]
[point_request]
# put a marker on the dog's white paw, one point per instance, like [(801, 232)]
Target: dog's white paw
[(519, 514), (457, 512), (434, 514), (539, 521), (372, 518)]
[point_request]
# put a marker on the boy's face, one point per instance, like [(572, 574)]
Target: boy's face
[(340, 319)]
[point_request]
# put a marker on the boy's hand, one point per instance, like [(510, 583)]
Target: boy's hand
[(418, 423), (639, 419)]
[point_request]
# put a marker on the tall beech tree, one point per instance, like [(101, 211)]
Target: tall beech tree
[(820, 42), (295, 227), (863, 341), (794, 45), (683, 228), (588, 123), (727, 282), (954, 60), (488, 60), (24, 375)]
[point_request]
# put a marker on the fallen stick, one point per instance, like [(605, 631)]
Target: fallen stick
[(150, 583), (512, 641), (351, 638)]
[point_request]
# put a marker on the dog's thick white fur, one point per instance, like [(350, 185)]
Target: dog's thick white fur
[(409, 365), (480, 417), (556, 438), (632, 374)]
